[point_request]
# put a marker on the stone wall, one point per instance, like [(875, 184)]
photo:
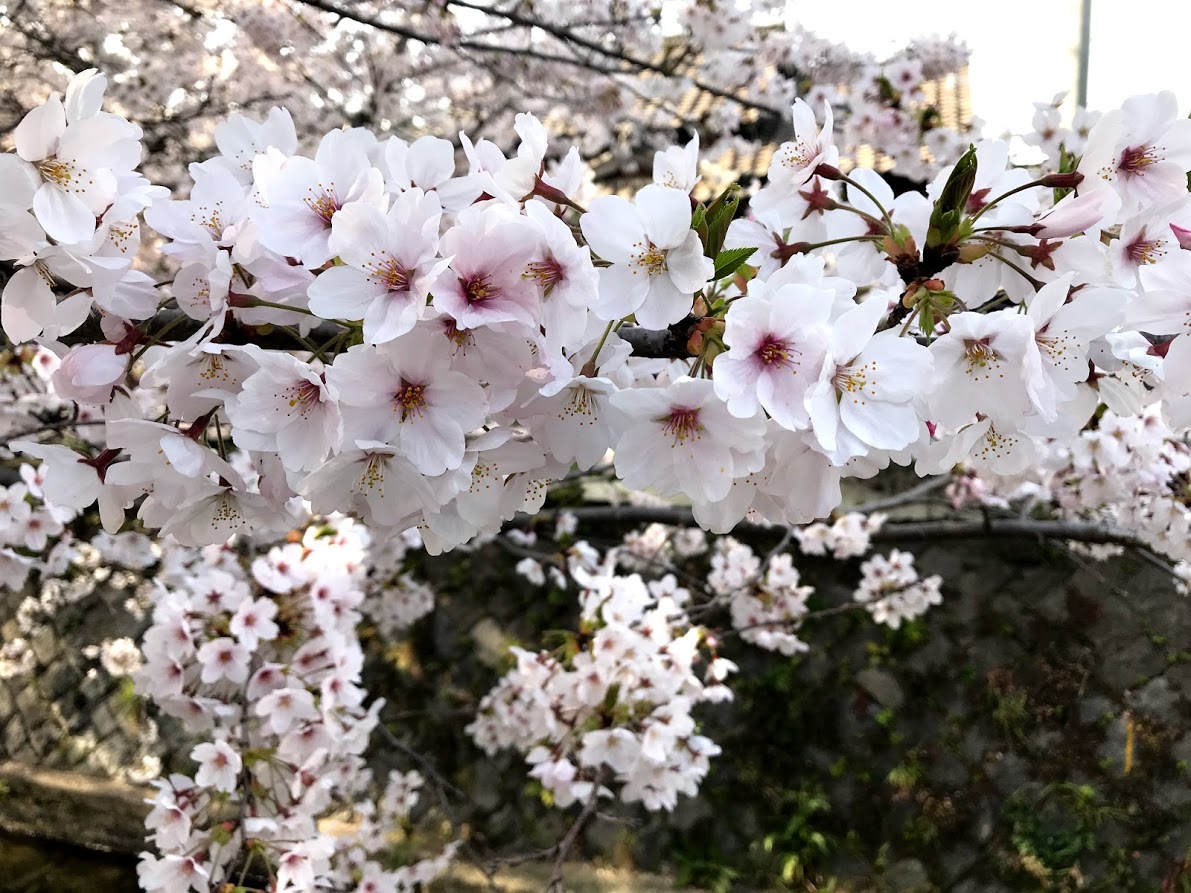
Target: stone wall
[(66, 712), (1032, 733)]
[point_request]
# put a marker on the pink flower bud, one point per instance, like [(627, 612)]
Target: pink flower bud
[(89, 372), (1072, 215), (1183, 235)]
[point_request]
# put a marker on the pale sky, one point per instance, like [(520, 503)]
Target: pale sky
[(1025, 51)]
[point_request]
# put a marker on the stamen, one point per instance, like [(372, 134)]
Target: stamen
[(323, 205), (389, 272), (548, 272), (1135, 159), (855, 382), (683, 422), (774, 351), (648, 257), (410, 399), (1145, 251), (302, 396), (983, 360), (478, 289)]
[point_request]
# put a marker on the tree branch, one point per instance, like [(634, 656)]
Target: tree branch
[(561, 33), (668, 343), (891, 531)]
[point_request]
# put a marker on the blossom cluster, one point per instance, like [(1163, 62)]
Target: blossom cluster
[(893, 592), (261, 658), (425, 342), (849, 536), (768, 613), (471, 332), (615, 706), (180, 72), (270, 621), (1127, 473), (607, 713)]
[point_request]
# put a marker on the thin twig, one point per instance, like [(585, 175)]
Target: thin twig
[(563, 849), (928, 486)]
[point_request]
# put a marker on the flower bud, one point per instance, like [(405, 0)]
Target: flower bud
[(89, 372), (828, 172), (1073, 214), (950, 207), (1067, 180)]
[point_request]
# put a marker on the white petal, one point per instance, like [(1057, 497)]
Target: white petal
[(666, 214), (84, 94), (37, 135), (430, 161), (64, 217), (27, 306), (687, 266), (622, 292), (343, 293), (612, 228)]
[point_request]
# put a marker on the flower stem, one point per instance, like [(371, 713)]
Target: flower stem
[(872, 198)]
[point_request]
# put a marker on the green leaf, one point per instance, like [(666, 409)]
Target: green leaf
[(1068, 162), (699, 222), (728, 262), (719, 215), (951, 205)]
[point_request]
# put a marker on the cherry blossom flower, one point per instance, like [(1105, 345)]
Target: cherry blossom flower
[(89, 372), (491, 249), (1142, 151), (224, 658), (305, 197), (219, 765), (172, 873), (657, 261), (986, 363), (569, 281), (282, 707), (253, 622), (426, 404), (678, 166), (795, 161), (287, 407), (375, 480), (390, 265), (776, 347), (865, 396), (682, 439), (77, 153), (1064, 325)]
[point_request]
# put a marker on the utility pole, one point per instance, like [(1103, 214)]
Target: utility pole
[(1085, 40)]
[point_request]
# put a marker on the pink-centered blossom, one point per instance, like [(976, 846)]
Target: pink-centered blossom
[(219, 765), (776, 347), (390, 263), (657, 261), (683, 439), (490, 249), (288, 408), (866, 395), (406, 391), (305, 196)]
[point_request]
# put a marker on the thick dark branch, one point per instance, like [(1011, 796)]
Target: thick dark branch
[(182, 327), (667, 343), (891, 532)]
